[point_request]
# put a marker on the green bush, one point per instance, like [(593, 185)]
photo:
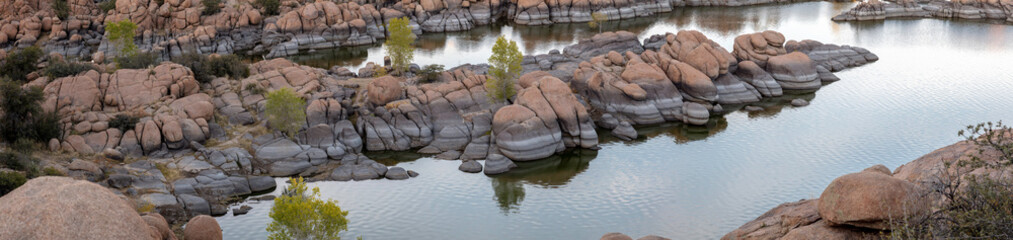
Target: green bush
[(17, 162), (123, 122), (23, 117), (20, 63), (61, 8), (137, 61), (206, 68), (23, 146), (211, 7), (975, 206), (253, 88), (107, 5), (10, 181), (50, 171), (59, 69), (430, 73), (300, 214), (270, 6), (285, 111)]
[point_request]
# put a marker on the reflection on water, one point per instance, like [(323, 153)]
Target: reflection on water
[(691, 182)]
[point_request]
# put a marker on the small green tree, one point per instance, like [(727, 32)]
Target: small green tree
[(597, 19), (301, 214), (399, 44), (20, 63), (504, 70), (285, 111), (121, 36)]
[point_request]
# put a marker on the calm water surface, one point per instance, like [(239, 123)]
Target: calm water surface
[(934, 77)]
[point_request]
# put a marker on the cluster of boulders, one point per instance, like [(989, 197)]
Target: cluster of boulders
[(167, 100), (64, 208), (962, 9), (686, 77)]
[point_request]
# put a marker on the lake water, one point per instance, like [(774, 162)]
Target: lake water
[(933, 78)]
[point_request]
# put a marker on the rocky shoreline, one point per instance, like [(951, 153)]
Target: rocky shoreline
[(869, 203), (966, 9), (171, 28), (196, 145)]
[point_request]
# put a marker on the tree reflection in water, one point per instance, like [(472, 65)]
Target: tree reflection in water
[(550, 172)]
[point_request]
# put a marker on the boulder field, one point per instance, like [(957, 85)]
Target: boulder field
[(1000, 10), (172, 27), (195, 144)]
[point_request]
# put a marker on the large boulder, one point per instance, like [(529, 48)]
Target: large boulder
[(202, 227), (871, 199), (794, 71), (384, 90), (64, 208), (758, 47)]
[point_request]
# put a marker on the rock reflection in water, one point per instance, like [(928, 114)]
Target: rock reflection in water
[(551, 172)]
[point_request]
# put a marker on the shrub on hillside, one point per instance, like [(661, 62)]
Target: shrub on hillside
[(123, 122), (107, 5), (59, 69), (211, 7), (10, 181), (19, 64), (61, 8), (137, 61), (206, 68), (285, 111), (270, 6), (430, 73), (975, 206), (22, 116)]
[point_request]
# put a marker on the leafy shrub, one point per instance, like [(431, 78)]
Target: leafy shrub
[(253, 88), (211, 7), (20, 63), (123, 122), (975, 206), (285, 111), (59, 69), (17, 162), (399, 44), (107, 5), (137, 61), (11, 180), (50, 171), (61, 8), (504, 69), (270, 6), (206, 68), (301, 214), (431, 73), (23, 117), (23, 146)]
